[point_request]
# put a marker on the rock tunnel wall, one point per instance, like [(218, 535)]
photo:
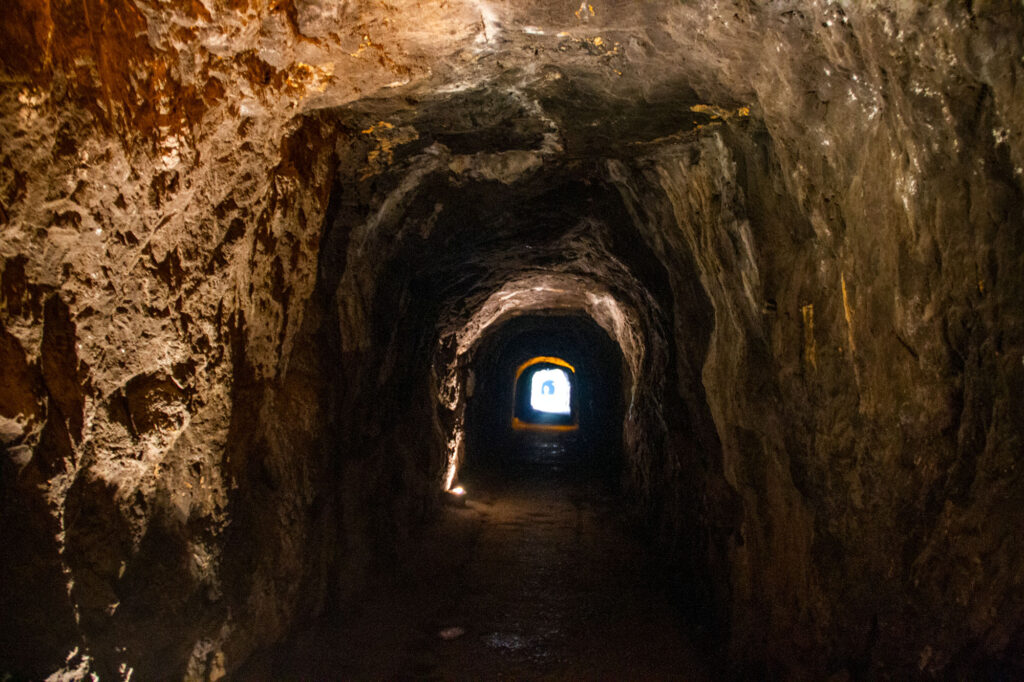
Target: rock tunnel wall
[(239, 244)]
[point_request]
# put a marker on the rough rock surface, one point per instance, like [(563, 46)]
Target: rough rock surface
[(246, 247)]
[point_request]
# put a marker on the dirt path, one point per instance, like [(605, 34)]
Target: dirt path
[(534, 579)]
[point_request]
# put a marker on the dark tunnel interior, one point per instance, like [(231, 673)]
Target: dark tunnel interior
[(594, 447), (511, 339)]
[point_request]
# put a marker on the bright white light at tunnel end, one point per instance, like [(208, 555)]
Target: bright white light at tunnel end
[(550, 391)]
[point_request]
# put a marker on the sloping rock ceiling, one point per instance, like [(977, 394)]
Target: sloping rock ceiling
[(249, 247)]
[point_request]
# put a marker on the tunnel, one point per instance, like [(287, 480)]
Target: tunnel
[(585, 430), (511, 339), (544, 394)]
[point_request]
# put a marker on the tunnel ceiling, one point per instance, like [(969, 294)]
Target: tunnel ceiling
[(250, 251)]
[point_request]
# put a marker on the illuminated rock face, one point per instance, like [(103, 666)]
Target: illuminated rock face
[(250, 255)]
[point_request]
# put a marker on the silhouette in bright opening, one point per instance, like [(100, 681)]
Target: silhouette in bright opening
[(543, 398), (550, 391)]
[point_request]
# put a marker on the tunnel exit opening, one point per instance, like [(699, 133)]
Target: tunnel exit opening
[(550, 391), (543, 396), (507, 437)]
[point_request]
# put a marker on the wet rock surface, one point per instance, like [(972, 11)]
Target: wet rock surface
[(252, 255)]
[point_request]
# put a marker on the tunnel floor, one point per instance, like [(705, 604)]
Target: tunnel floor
[(536, 577)]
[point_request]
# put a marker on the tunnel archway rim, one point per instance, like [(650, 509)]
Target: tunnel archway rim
[(524, 425)]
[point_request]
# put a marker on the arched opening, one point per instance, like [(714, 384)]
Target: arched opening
[(543, 395), (505, 434)]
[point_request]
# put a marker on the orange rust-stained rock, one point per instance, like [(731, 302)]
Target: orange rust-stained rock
[(25, 36)]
